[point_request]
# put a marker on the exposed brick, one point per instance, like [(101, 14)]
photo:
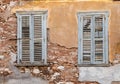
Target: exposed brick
[(66, 57), (6, 1)]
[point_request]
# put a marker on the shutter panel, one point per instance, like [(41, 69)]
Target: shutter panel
[(98, 39), (37, 38), (86, 39), (93, 38), (30, 34), (25, 39)]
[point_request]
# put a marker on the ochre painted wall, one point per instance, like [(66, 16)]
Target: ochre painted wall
[(62, 20)]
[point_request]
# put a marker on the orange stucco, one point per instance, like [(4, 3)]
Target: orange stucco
[(62, 20)]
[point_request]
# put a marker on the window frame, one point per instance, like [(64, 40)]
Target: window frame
[(80, 16), (31, 14)]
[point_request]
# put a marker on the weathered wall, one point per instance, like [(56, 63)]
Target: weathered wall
[(62, 20), (62, 47)]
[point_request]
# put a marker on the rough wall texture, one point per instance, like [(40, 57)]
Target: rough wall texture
[(8, 27), (62, 51), (63, 63), (62, 20), (7, 33)]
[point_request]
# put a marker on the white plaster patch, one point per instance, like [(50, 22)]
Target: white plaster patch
[(60, 83), (55, 75), (60, 67), (12, 3), (91, 71), (31, 80), (82, 74), (117, 75), (1, 57), (104, 75), (36, 71), (13, 57)]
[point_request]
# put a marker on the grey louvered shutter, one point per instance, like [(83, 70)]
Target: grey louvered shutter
[(86, 39), (99, 38), (93, 38), (38, 38), (92, 50), (25, 39), (32, 38)]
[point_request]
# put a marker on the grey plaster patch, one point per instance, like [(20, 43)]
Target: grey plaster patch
[(31, 80), (104, 75)]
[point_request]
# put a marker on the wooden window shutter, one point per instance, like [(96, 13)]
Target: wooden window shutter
[(99, 38), (86, 39), (25, 39), (38, 38), (92, 48), (93, 38), (32, 38)]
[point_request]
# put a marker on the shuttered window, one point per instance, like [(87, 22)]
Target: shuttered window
[(31, 38), (93, 38)]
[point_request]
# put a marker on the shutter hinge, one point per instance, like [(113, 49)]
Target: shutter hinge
[(19, 19), (19, 38)]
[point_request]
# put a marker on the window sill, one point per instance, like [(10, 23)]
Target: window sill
[(93, 65), (30, 65)]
